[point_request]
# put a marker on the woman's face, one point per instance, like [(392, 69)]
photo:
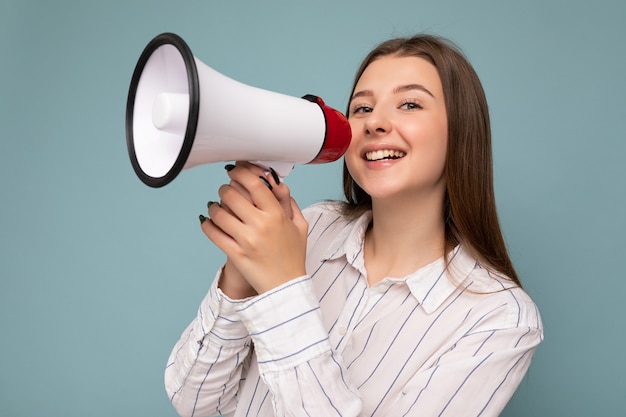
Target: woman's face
[(399, 130)]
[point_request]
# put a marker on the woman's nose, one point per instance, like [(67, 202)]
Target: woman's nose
[(377, 123)]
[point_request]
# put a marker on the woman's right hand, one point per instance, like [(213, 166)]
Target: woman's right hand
[(264, 241), (232, 282)]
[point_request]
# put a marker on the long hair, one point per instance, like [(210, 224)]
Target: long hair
[(469, 207)]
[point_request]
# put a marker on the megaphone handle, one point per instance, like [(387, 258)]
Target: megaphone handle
[(282, 168)]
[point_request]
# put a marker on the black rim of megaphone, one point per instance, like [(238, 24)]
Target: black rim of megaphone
[(194, 107)]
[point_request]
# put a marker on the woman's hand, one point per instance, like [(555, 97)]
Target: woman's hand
[(260, 229), (231, 281)]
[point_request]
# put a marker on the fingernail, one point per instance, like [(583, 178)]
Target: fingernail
[(266, 182), (229, 167), (210, 203), (202, 219), (275, 176)]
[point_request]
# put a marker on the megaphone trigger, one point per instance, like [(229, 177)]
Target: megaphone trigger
[(282, 168)]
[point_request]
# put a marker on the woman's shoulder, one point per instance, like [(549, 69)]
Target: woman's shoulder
[(327, 218), (499, 291), (490, 293), (325, 212)]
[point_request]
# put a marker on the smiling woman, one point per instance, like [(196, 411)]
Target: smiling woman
[(398, 108), (469, 203), (401, 301)]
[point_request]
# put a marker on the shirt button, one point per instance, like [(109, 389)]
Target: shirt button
[(342, 330)]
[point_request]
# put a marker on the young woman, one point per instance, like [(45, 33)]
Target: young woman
[(401, 301)]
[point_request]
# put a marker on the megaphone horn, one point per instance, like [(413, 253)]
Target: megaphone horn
[(181, 113)]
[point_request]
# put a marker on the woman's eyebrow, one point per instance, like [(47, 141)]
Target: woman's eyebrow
[(399, 89), (362, 93), (409, 87)]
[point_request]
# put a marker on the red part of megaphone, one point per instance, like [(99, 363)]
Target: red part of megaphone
[(338, 133)]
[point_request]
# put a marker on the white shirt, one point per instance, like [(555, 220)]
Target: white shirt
[(327, 344)]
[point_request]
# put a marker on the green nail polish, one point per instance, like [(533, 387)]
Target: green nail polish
[(210, 203), (202, 219), (229, 167), (266, 182), (275, 176)]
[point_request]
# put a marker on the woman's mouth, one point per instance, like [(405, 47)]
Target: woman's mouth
[(383, 154)]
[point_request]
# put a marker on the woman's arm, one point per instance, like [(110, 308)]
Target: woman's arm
[(305, 376), (205, 367)]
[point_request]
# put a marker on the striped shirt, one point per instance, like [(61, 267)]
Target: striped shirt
[(439, 342)]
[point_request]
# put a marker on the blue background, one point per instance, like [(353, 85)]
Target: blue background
[(99, 274)]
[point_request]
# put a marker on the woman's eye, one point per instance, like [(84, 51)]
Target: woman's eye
[(410, 105), (361, 109)]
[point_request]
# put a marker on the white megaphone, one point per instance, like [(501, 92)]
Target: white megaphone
[(181, 113)]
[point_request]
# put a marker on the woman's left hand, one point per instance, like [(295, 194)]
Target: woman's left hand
[(259, 227)]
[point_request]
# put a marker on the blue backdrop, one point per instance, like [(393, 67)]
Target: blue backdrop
[(99, 274)]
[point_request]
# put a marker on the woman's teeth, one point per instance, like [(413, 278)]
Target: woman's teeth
[(383, 154)]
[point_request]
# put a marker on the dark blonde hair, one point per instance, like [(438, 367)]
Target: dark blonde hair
[(469, 207)]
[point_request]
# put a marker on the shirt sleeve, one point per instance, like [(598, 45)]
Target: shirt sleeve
[(304, 375), (205, 366)]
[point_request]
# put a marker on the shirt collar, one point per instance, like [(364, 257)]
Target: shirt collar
[(431, 285), (349, 241), (434, 283)]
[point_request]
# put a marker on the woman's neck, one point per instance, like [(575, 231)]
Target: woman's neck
[(402, 238)]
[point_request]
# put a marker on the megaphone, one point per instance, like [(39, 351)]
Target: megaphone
[(181, 113)]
